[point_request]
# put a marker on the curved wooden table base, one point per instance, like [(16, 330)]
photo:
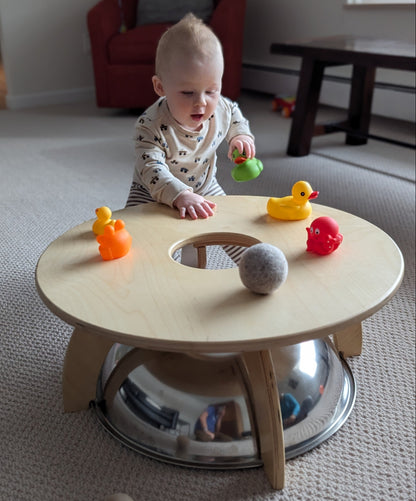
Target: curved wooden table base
[(264, 393), (87, 351), (84, 358), (349, 341)]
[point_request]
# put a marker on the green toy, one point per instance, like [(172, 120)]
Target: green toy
[(246, 168)]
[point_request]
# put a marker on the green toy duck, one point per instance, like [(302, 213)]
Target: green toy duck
[(103, 219), (246, 168), (293, 207)]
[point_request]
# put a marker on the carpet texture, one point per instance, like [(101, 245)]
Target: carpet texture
[(57, 165)]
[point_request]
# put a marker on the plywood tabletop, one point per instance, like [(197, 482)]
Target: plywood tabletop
[(147, 299)]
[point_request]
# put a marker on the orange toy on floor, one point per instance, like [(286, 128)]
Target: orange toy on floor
[(284, 104)]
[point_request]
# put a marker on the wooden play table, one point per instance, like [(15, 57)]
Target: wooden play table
[(366, 55), (148, 300)]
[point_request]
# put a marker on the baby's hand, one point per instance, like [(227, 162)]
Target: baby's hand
[(242, 143), (194, 205)]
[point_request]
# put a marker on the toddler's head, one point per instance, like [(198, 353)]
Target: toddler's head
[(189, 68)]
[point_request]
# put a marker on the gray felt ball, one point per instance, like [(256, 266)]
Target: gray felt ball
[(263, 268)]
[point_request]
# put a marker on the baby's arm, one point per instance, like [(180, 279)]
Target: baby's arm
[(193, 204), (239, 135)]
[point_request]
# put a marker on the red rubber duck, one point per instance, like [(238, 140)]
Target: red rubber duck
[(323, 236), (115, 242)]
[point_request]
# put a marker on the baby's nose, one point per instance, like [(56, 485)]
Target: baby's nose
[(200, 100)]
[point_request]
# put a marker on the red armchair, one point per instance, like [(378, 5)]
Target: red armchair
[(124, 62)]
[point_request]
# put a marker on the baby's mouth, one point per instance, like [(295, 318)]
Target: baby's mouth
[(197, 117)]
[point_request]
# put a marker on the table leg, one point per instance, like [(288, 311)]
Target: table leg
[(84, 358), (261, 379), (307, 100), (349, 341), (361, 97)]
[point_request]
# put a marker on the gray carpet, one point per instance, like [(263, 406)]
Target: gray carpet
[(57, 165)]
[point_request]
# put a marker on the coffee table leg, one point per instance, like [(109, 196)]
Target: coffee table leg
[(349, 341), (84, 358), (263, 391), (361, 98), (307, 101)]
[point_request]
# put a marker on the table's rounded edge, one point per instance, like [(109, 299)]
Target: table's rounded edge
[(219, 346)]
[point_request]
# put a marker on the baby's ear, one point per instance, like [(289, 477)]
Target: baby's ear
[(158, 86)]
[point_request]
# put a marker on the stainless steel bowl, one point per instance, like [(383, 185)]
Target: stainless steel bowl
[(151, 402)]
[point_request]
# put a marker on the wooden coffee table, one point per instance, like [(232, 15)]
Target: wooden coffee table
[(148, 300), (365, 54)]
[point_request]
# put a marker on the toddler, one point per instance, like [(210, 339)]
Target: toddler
[(177, 137)]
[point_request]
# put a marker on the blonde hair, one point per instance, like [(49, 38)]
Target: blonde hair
[(189, 37)]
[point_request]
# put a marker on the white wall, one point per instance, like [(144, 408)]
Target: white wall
[(46, 57), (271, 21)]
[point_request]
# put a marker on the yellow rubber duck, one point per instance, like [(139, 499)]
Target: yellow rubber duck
[(103, 219), (293, 207)]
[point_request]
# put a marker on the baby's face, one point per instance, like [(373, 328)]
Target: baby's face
[(192, 89)]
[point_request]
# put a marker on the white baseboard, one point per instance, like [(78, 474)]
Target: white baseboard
[(388, 102), (18, 102)]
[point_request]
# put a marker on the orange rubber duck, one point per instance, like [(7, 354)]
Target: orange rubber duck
[(115, 242)]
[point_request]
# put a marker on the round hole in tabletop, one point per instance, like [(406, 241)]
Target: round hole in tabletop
[(218, 250)]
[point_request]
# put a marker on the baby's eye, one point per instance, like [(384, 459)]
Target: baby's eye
[(187, 93)]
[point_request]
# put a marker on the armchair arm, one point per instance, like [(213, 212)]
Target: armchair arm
[(103, 22), (227, 22)]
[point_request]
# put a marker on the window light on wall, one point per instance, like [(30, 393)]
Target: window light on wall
[(379, 2)]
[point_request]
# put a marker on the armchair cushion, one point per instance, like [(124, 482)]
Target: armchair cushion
[(136, 46), (167, 11)]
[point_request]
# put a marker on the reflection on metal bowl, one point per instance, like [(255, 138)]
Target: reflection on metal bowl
[(194, 410)]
